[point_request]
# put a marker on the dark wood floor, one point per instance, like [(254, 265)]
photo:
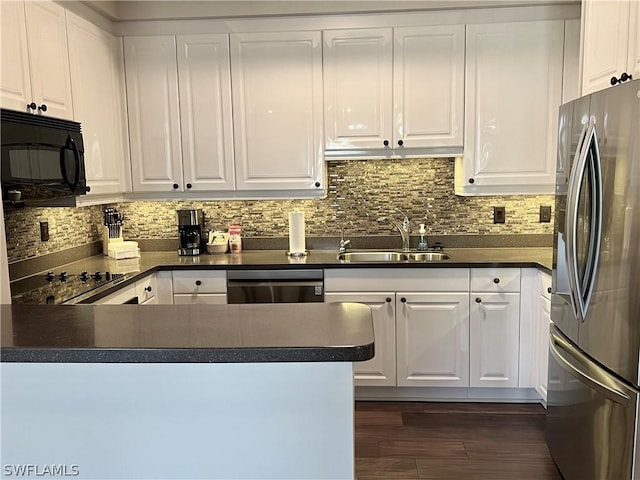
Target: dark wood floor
[(475, 441)]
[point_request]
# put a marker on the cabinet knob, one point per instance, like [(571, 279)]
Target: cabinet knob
[(198, 282), (471, 180), (88, 188), (317, 184), (385, 143), (43, 107), (400, 142), (32, 106), (403, 300), (496, 280), (623, 78), (478, 300), (388, 299), (189, 185), (147, 289), (548, 289), (175, 186)]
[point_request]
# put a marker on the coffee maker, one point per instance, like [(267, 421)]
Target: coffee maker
[(190, 232)]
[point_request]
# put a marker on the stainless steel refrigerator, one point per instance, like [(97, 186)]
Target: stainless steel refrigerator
[(594, 347)]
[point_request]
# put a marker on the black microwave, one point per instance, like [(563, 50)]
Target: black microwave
[(42, 160)]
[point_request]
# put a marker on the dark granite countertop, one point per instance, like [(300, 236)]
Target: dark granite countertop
[(186, 333), (149, 262)]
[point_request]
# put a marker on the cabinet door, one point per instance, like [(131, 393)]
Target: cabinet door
[(49, 58), (277, 111), (205, 112), (606, 37), (154, 121), (542, 339), (429, 86), (633, 53), (15, 84), (495, 336), (432, 339), (381, 369), (98, 104), (513, 91), (357, 71)]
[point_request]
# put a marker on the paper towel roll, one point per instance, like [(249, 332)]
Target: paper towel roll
[(296, 232)]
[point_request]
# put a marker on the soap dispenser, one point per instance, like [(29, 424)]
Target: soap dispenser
[(422, 244)]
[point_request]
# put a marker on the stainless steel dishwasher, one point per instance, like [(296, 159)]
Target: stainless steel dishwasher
[(275, 286)]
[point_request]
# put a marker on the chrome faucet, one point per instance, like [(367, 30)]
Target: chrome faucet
[(343, 243), (405, 231)]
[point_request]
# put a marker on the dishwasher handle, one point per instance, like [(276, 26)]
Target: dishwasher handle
[(274, 275)]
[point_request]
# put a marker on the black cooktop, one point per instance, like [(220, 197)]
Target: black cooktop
[(61, 287)]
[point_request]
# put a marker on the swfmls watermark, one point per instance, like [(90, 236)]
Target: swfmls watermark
[(25, 470)]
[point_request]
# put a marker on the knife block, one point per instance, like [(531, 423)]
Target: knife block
[(106, 240)]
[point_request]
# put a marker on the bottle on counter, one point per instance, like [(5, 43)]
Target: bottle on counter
[(235, 240)]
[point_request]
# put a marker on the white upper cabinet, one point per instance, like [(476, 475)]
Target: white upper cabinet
[(154, 118), (98, 100), (394, 88), (611, 42), (35, 59), (358, 70), (513, 90), (428, 93), (15, 71), (277, 111), (205, 112), (633, 55)]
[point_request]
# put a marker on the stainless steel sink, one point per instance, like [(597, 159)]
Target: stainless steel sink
[(427, 256), (392, 256)]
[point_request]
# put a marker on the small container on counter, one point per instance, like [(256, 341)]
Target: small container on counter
[(235, 240)]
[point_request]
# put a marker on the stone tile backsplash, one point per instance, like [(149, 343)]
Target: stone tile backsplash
[(362, 196)]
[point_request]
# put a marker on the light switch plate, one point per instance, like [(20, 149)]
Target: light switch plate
[(499, 214)]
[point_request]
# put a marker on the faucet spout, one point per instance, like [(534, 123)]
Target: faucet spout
[(404, 230)]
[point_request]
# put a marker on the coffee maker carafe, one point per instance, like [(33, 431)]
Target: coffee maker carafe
[(190, 230)]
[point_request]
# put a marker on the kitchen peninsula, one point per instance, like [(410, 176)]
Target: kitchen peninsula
[(173, 391)]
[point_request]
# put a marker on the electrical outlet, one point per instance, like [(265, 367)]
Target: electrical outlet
[(498, 215), (545, 213), (44, 231)]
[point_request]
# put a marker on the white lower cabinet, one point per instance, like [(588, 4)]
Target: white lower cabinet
[(200, 287), (381, 369), (420, 321), (542, 324), (494, 311), (438, 327), (433, 339), (495, 336), (146, 290)]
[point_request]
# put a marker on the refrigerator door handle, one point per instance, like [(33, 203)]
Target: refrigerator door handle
[(588, 372), (582, 288), (571, 220)]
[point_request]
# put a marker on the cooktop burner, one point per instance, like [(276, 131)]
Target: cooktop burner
[(60, 287)]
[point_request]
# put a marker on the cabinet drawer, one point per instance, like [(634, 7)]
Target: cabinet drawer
[(392, 279), (200, 281), (118, 298), (206, 298), (544, 284), (495, 280), (146, 288)]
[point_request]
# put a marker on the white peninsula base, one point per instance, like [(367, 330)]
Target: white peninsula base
[(180, 420)]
